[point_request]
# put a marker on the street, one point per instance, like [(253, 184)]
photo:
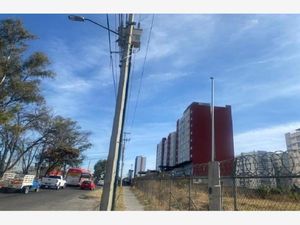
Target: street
[(71, 198)]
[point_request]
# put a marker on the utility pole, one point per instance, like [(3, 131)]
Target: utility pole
[(89, 164), (123, 152), (126, 42)]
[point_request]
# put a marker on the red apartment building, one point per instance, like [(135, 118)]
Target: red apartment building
[(193, 137)]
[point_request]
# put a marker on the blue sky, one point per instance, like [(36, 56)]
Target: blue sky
[(254, 59)]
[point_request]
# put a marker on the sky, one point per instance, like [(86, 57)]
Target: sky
[(253, 58)]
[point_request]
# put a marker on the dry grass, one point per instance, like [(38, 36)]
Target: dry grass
[(96, 194), (120, 206), (151, 204), (155, 195)]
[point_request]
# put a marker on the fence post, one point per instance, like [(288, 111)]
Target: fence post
[(234, 194), (147, 187), (221, 190), (190, 183), (160, 191), (170, 194)]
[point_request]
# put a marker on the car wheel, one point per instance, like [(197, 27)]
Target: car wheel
[(57, 187), (26, 190)]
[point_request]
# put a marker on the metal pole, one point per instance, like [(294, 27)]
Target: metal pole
[(214, 187), (212, 111), (122, 164), (89, 165), (234, 195), (170, 194), (190, 184), (108, 196)]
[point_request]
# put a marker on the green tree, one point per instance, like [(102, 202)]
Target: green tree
[(20, 78), (22, 138), (66, 144), (99, 169)]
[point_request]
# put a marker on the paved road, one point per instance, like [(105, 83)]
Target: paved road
[(50, 200)]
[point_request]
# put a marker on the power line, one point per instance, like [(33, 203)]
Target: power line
[(117, 55), (111, 62), (143, 69), (130, 86)]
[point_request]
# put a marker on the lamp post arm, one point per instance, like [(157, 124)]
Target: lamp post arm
[(102, 26)]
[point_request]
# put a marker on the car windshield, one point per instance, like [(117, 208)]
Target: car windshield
[(85, 175), (86, 182)]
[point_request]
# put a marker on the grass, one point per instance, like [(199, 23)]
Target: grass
[(155, 195), (95, 194), (120, 206), (149, 204)]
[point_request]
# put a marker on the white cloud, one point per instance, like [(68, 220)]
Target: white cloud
[(246, 92), (269, 139), (157, 78), (246, 27)]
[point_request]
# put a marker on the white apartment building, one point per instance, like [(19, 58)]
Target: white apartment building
[(140, 165), (184, 134), (160, 153), (172, 148), (293, 140)]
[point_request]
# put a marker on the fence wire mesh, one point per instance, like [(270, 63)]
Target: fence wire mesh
[(257, 181)]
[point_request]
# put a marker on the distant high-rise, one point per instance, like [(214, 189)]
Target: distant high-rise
[(140, 165), (160, 154), (293, 140)]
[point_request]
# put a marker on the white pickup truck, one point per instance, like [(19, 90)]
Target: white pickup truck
[(56, 182)]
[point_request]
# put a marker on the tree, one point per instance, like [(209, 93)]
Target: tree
[(28, 131), (99, 169), (20, 77), (66, 144), (22, 138)]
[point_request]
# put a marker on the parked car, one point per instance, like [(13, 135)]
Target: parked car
[(56, 182), (100, 182), (88, 184), (18, 182)]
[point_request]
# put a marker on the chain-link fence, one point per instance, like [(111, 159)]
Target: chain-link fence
[(257, 181)]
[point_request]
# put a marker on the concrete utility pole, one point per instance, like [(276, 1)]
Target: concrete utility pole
[(122, 159), (214, 187), (126, 44)]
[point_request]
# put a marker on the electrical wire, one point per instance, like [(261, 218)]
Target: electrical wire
[(143, 70), (130, 87), (111, 61), (117, 55)]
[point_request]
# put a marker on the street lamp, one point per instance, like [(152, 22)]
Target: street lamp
[(82, 19), (76, 18)]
